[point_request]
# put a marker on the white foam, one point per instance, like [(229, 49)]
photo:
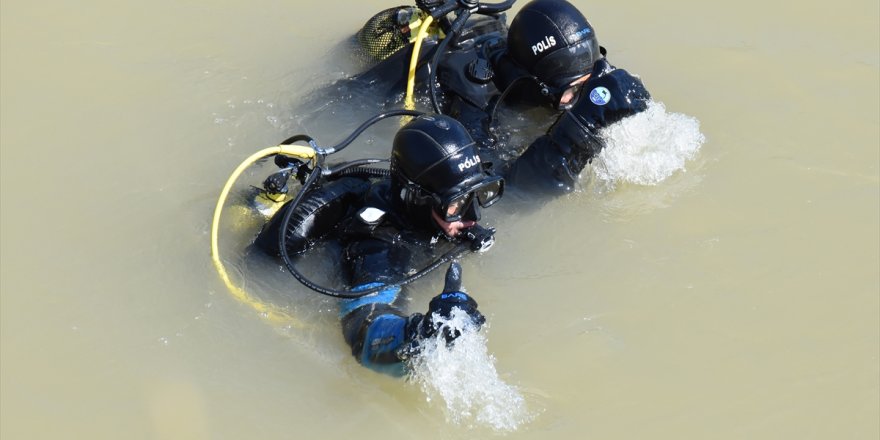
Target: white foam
[(647, 148), (464, 378)]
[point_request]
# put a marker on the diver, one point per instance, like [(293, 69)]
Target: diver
[(549, 58), (388, 227)]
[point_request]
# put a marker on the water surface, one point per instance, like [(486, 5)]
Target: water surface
[(739, 297)]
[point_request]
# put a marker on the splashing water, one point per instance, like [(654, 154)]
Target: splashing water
[(648, 147), (464, 377)]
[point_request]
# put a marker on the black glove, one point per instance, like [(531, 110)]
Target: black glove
[(452, 297), (609, 96), (440, 308)]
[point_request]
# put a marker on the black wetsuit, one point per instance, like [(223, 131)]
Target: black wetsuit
[(381, 246)]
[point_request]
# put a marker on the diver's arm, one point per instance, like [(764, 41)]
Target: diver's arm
[(381, 336), (553, 162)]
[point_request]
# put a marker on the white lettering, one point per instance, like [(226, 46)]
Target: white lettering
[(469, 162), (548, 42)]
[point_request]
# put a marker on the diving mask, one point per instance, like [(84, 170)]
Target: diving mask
[(452, 206)]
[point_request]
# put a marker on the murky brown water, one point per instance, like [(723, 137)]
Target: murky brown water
[(737, 299)]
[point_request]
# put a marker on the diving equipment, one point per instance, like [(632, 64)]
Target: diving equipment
[(439, 10), (434, 161), (554, 42)]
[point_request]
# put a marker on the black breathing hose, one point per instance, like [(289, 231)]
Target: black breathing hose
[(299, 138), (435, 60), (340, 146), (364, 172)]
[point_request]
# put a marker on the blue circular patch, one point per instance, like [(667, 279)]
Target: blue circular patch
[(600, 96)]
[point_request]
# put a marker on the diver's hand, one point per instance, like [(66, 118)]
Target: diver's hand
[(453, 297), (606, 98), (440, 311)]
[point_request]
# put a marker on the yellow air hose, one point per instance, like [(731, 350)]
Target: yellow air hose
[(273, 313), (409, 103)]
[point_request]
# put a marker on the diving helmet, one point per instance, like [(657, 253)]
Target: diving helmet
[(554, 42), (435, 163)]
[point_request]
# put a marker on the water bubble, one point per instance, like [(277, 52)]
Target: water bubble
[(463, 376), (648, 147)]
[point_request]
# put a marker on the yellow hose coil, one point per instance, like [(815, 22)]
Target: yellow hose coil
[(269, 311)]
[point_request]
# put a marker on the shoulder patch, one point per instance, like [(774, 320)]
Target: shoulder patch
[(600, 96)]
